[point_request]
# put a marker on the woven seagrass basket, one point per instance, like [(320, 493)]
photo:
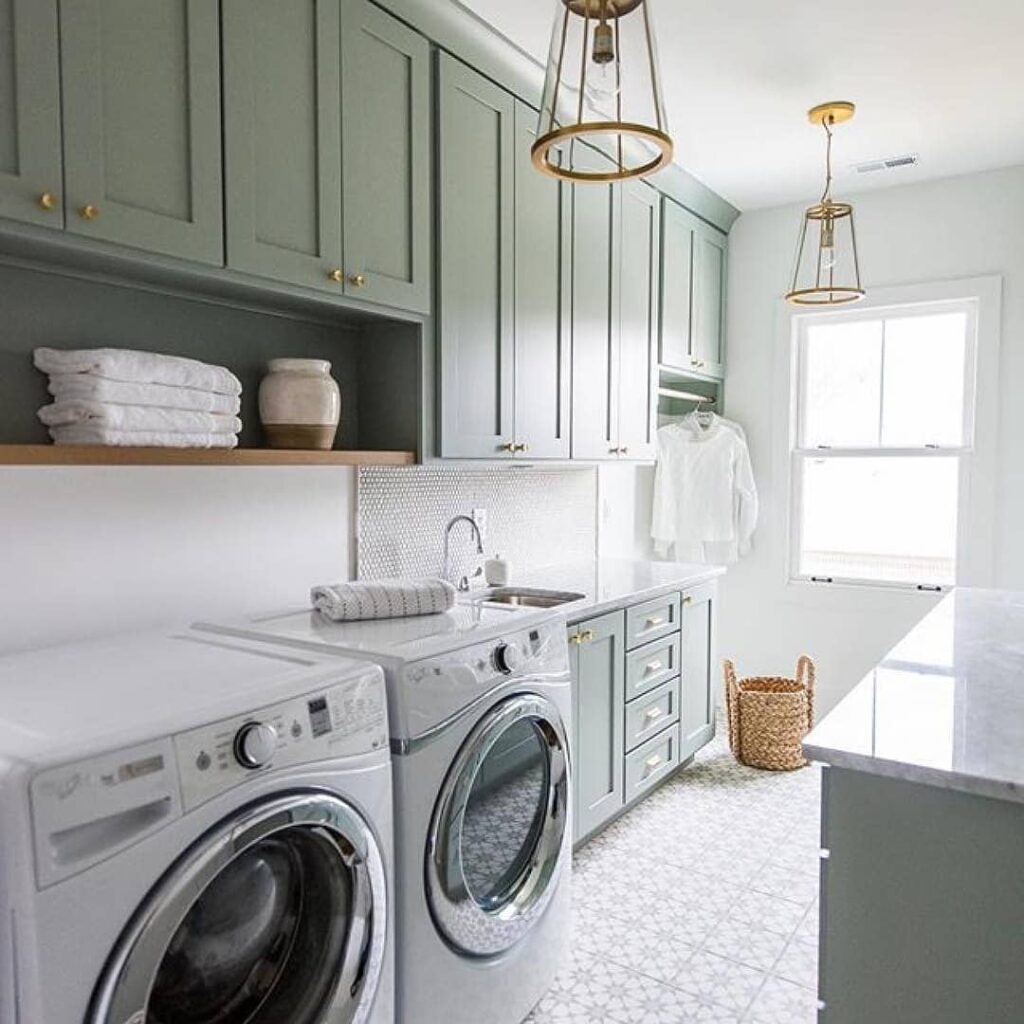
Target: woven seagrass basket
[(769, 716)]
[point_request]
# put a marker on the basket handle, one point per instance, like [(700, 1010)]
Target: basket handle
[(806, 675), (732, 705)]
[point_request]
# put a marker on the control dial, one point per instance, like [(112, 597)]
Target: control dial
[(507, 658), (255, 743)]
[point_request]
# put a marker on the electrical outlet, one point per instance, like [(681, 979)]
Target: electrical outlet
[(480, 518)]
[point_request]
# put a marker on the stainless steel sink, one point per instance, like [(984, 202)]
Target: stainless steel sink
[(530, 597)]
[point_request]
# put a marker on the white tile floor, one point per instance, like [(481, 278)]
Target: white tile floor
[(699, 905)]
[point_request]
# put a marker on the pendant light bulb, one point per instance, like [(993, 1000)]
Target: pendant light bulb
[(603, 79)]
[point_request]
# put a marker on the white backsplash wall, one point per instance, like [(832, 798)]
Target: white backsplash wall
[(535, 517)]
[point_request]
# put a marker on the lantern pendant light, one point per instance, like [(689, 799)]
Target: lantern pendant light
[(602, 87), (827, 270)]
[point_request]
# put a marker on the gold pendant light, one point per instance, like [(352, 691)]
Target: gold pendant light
[(827, 270), (602, 87)]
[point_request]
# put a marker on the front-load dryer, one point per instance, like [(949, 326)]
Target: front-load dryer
[(480, 714), (194, 830)]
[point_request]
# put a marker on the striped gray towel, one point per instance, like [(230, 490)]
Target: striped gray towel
[(382, 599)]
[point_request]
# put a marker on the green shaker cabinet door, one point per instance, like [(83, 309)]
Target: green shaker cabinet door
[(638, 245), (677, 235), (30, 157), (142, 138), (699, 668), (709, 248), (541, 323), (282, 139), (385, 117), (476, 168), (595, 406), (598, 679)]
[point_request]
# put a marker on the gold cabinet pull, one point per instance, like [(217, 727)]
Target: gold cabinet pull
[(688, 599), (47, 201), (89, 212), (588, 635), (337, 276), (356, 280), (508, 446), (653, 622), (623, 451), (521, 447), (576, 638)]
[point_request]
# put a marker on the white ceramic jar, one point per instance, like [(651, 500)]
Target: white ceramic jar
[(300, 404)]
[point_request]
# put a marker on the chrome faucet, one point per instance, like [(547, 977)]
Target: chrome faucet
[(463, 583)]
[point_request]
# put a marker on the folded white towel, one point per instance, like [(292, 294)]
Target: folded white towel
[(101, 389), (84, 433), (139, 367), (137, 417), (383, 599)]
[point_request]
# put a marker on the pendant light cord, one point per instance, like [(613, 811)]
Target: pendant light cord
[(826, 196)]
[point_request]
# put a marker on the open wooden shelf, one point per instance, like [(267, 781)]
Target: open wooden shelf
[(96, 455)]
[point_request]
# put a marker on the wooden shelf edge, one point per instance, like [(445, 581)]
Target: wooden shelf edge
[(95, 455)]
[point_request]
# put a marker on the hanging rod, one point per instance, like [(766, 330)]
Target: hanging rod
[(685, 396)]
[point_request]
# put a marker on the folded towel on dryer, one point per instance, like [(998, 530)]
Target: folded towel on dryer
[(87, 433), (382, 599), (89, 388), (137, 417)]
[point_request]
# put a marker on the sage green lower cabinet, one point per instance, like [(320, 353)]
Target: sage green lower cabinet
[(597, 650), (31, 174), (699, 667), (142, 124)]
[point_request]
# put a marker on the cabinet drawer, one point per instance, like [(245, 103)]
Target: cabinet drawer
[(651, 665), (649, 714), (651, 762), (651, 620)]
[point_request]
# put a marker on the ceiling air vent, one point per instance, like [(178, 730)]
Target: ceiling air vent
[(888, 164)]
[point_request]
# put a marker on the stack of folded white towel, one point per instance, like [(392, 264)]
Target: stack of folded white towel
[(109, 396)]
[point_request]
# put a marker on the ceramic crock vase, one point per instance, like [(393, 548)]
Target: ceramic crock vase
[(300, 404)]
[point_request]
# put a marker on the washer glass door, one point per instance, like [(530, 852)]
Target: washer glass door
[(277, 915), (496, 840)]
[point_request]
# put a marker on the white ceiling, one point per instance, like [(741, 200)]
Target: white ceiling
[(940, 78)]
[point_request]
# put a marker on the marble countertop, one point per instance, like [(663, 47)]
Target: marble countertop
[(611, 583), (946, 705)]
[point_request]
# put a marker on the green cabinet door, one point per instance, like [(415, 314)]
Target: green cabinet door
[(595, 407), (142, 126), (282, 140), (597, 654), (699, 668), (542, 371), (637, 377), (476, 279), (709, 254), (677, 235), (30, 158), (385, 119)]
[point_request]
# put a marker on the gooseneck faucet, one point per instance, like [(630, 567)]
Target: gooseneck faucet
[(463, 583)]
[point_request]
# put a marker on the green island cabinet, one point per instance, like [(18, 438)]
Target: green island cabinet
[(693, 273), (643, 699), (504, 373), (317, 93)]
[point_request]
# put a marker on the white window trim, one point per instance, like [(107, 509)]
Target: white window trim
[(976, 529)]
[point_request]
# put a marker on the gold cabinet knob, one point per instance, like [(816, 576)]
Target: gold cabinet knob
[(89, 212), (508, 446), (338, 276), (623, 451), (356, 280), (47, 201), (587, 636), (520, 447)]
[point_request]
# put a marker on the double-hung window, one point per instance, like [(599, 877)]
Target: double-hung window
[(883, 433)]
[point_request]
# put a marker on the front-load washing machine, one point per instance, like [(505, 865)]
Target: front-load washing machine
[(479, 706), (194, 829)]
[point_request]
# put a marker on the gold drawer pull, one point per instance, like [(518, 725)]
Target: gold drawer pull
[(588, 635), (47, 201), (688, 599), (89, 212), (582, 638), (654, 713), (652, 762), (654, 622), (337, 276), (508, 446), (653, 666), (520, 447), (357, 280)]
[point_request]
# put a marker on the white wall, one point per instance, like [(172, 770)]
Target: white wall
[(85, 552), (956, 228)]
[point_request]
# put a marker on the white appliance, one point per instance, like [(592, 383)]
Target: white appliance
[(195, 829), (479, 706)]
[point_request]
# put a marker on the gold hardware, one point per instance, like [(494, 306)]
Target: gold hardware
[(521, 447), (89, 212), (653, 622), (623, 451), (356, 280), (338, 276), (688, 599), (835, 112), (588, 635), (508, 446), (578, 638), (47, 200)]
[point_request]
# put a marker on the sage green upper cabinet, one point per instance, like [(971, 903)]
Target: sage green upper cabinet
[(476, 272), (141, 115), (676, 285), (699, 665), (637, 382), (595, 408), (709, 247), (282, 135), (542, 370), (30, 141), (385, 124)]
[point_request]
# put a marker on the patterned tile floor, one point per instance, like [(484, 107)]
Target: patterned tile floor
[(698, 905)]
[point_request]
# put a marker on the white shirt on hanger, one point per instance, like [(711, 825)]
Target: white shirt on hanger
[(705, 499)]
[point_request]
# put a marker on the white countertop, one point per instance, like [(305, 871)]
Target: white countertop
[(946, 705)]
